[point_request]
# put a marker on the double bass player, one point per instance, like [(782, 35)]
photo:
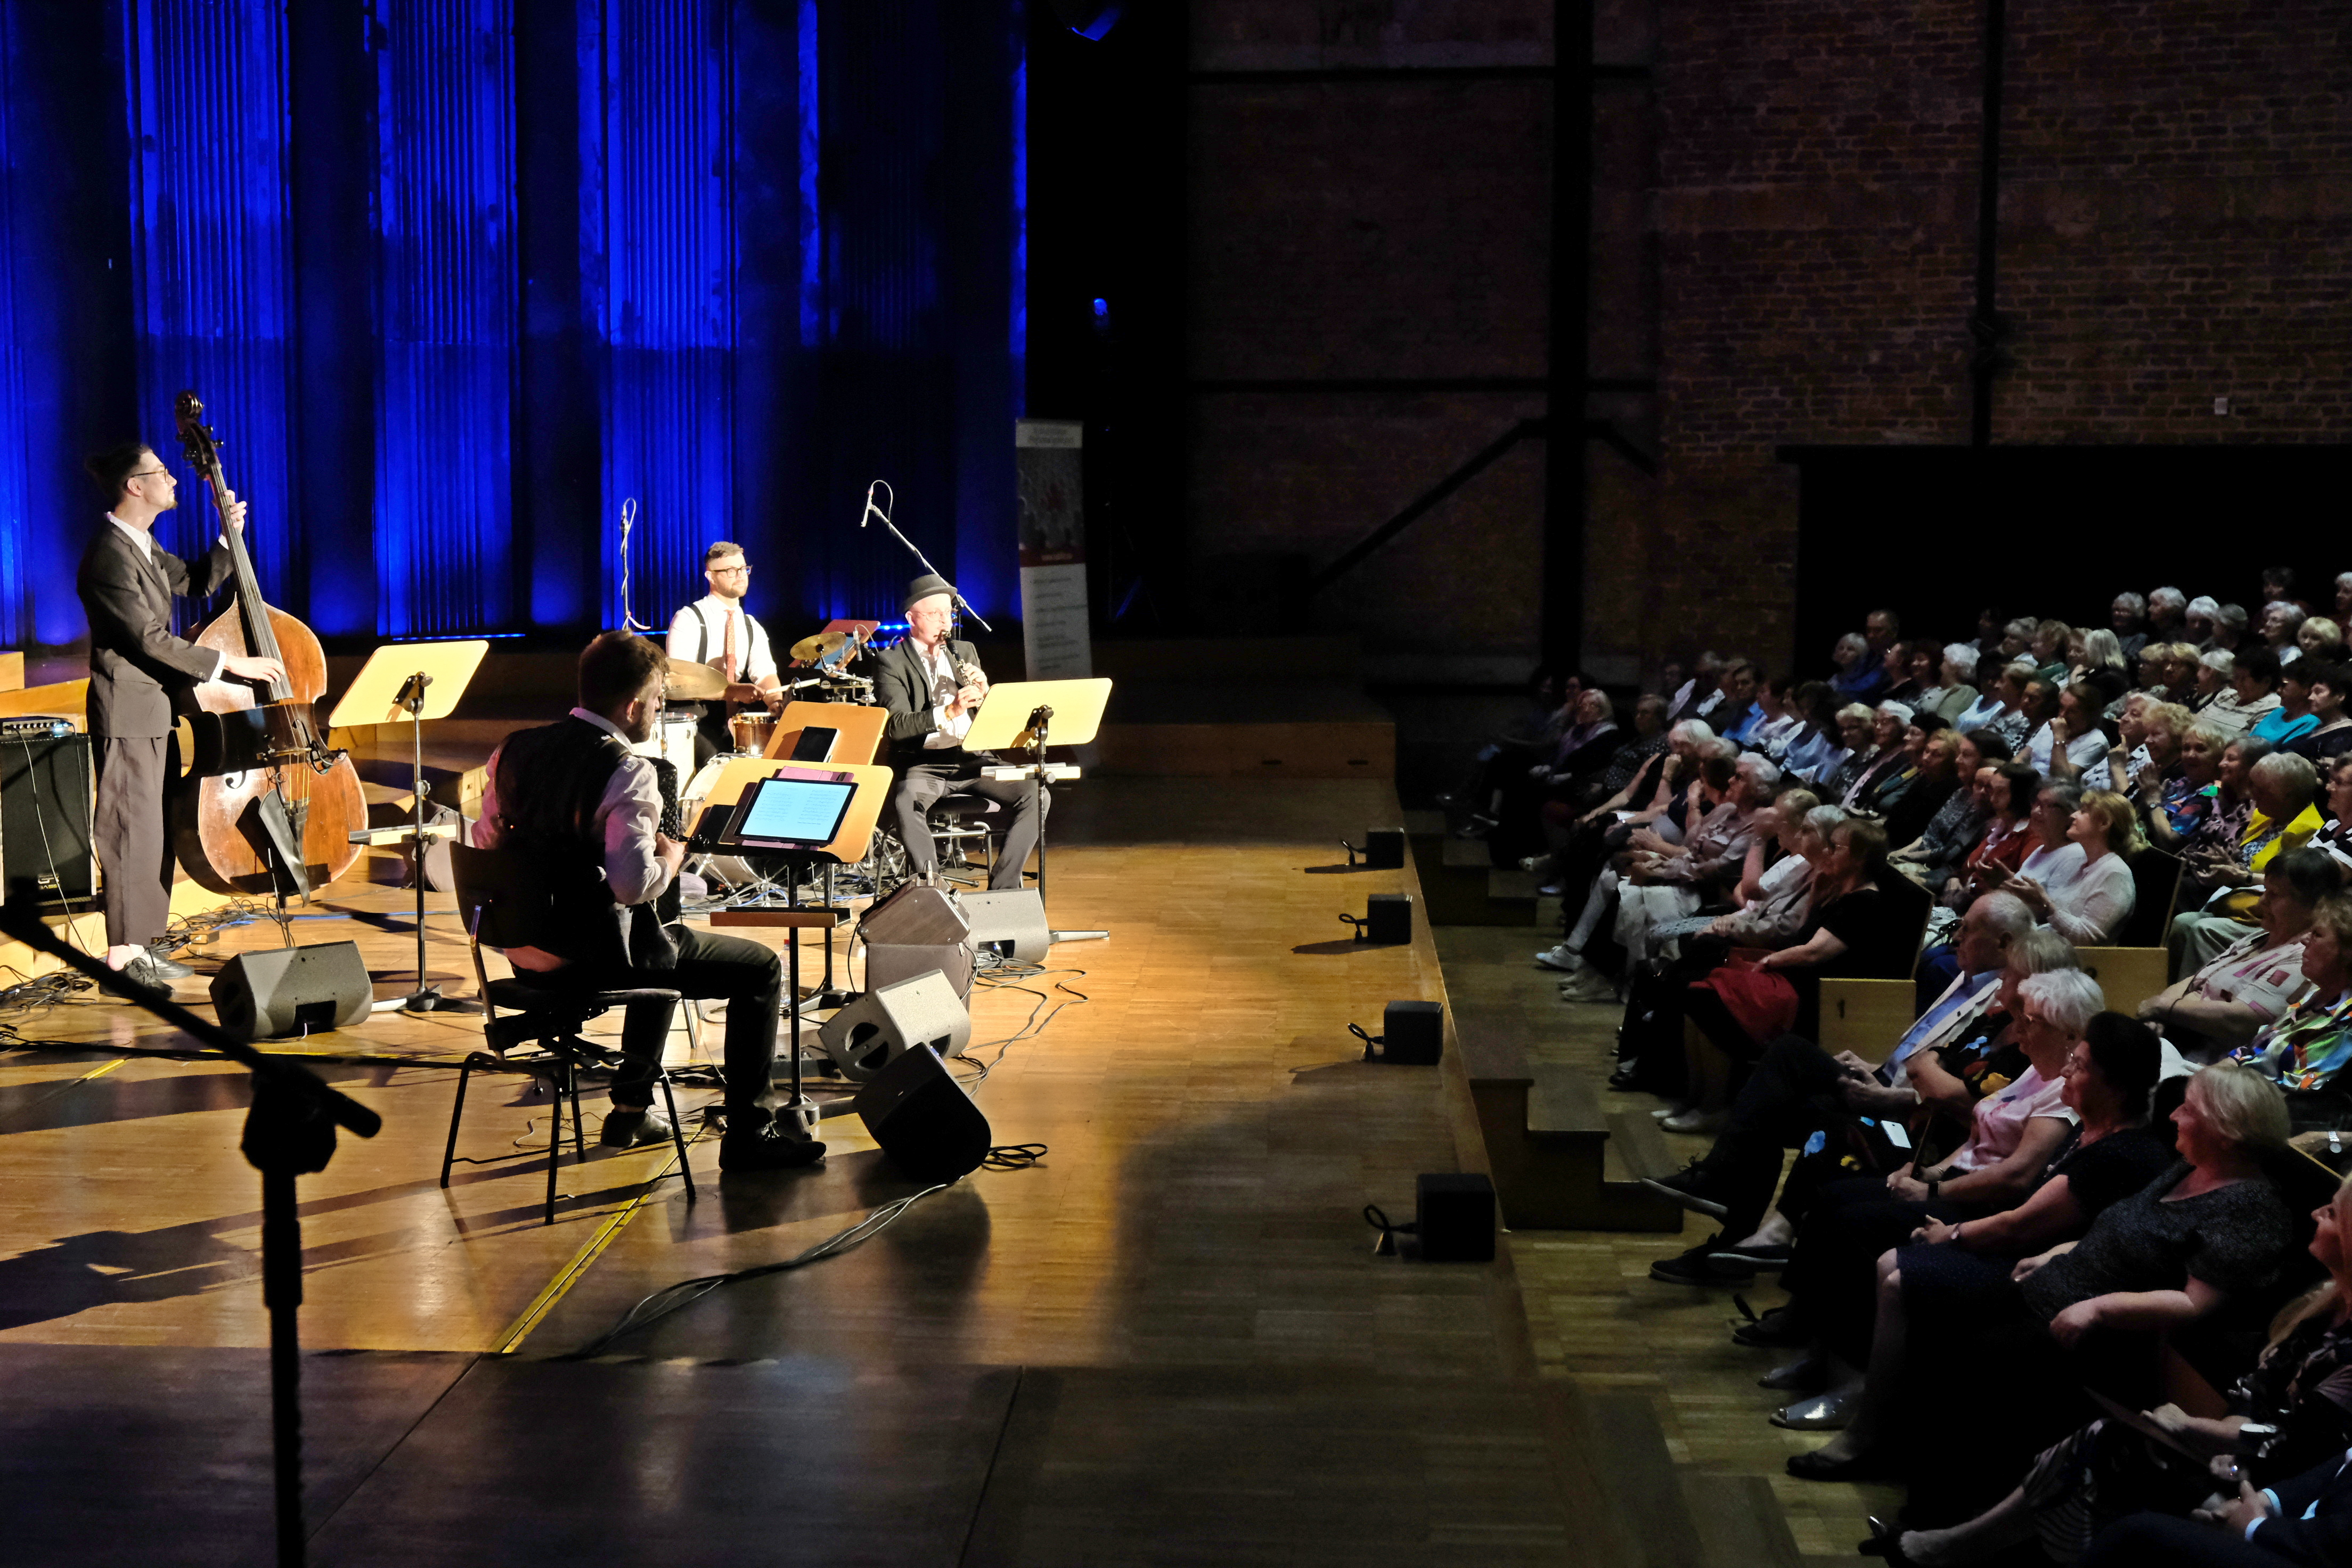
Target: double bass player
[(138, 670)]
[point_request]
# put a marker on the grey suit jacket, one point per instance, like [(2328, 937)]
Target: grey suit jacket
[(904, 687), (136, 665)]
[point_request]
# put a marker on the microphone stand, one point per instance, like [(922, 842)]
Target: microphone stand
[(289, 1131), (962, 605)]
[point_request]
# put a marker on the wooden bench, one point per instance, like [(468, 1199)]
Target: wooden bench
[(1867, 1016), (1547, 1142)]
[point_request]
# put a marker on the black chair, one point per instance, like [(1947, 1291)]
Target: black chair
[(959, 821), (503, 901)]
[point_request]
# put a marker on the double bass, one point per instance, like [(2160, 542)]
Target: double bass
[(268, 807)]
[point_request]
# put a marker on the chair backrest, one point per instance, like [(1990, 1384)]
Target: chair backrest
[(503, 898), (1908, 906), (2155, 882), (1865, 1017), (2128, 976)]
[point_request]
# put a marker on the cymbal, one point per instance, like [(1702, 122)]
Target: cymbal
[(694, 682), (809, 649)]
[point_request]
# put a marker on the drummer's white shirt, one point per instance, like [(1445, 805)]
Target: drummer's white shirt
[(686, 639)]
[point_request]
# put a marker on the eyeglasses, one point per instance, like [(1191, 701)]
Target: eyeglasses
[(730, 571), (150, 474)]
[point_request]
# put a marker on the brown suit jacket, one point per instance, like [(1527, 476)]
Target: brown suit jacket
[(136, 665)]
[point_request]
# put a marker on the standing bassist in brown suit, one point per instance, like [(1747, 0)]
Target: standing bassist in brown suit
[(137, 671)]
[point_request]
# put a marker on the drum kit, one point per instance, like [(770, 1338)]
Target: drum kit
[(822, 662)]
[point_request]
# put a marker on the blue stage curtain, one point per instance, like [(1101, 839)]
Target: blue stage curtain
[(658, 264), (211, 261), (446, 285), (456, 278)]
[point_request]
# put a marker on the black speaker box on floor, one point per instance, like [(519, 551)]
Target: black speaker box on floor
[(1383, 849), (923, 1119), (44, 805), (1412, 1033), (278, 991), (1454, 1217), (1388, 917)]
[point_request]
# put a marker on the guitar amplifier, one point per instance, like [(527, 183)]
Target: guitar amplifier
[(44, 810)]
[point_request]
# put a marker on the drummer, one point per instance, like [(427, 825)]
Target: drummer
[(717, 630)]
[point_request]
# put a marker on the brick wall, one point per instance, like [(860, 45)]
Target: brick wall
[(2177, 187), (1788, 239)]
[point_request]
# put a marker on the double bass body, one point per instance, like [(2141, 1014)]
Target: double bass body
[(263, 790)]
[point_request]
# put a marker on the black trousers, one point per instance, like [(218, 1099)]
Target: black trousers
[(1832, 1269), (1791, 1094), (2159, 1540), (746, 976), (923, 784), (127, 832)]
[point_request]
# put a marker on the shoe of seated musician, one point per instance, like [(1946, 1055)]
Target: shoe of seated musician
[(634, 1127), (767, 1147), (167, 967)]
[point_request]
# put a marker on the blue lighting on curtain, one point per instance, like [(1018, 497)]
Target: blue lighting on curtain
[(210, 259), (658, 252), (445, 287), (816, 317), (456, 278), (15, 501)]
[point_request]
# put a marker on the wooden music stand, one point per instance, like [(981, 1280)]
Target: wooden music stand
[(408, 683), (861, 728), (1017, 715), (849, 844)]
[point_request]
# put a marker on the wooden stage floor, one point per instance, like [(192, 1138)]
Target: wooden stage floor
[(1168, 1343)]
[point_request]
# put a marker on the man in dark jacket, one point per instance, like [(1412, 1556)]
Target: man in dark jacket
[(2307, 1520), (932, 687), (137, 671)]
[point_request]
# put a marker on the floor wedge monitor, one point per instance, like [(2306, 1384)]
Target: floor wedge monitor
[(925, 1122), (884, 1024), (277, 993)]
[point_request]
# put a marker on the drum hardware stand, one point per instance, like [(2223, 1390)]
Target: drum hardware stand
[(289, 1131), (963, 605), (391, 688)]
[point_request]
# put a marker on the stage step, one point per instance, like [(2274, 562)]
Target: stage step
[(1513, 887), (1456, 882), (1739, 1520), (1547, 1142)]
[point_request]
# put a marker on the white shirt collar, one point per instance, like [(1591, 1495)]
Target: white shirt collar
[(146, 537), (601, 723)]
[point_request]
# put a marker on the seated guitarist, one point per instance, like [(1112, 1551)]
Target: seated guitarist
[(932, 687), (579, 803)]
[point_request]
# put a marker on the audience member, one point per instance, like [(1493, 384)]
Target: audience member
[(2331, 735), (2227, 876), (2304, 1049), (2254, 980)]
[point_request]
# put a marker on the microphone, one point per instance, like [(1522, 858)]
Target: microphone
[(869, 505)]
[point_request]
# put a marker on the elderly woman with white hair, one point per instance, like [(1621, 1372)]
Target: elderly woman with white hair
[(1860, 674), (1954, 691), (2196, 618), (2282, 788), (2164, 608), (2128, 615), (2282, 618), (1890, 767)]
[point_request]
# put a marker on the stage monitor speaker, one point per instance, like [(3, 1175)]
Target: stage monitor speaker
[(923, 1120), (1412, 1033), (1386, 918), (275, 993), (915, 916), (45, 807), (890, 963), (1012, 923), (1383, 849), (888, 1022), (1455, 1216)]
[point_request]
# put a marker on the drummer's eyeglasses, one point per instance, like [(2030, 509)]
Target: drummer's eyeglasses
[(729, 571)]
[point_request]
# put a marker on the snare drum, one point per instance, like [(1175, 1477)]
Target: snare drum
[(751, 732)]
